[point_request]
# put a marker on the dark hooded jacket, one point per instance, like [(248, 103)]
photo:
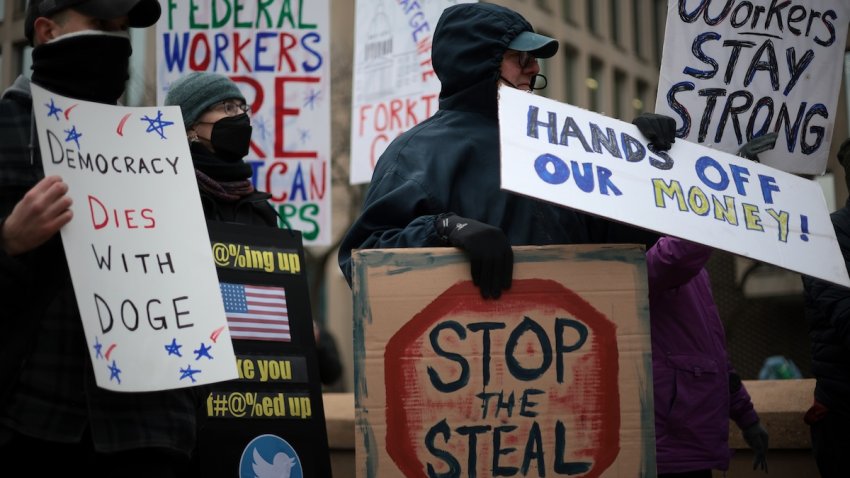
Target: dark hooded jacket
[(828, 311), (450, 162)]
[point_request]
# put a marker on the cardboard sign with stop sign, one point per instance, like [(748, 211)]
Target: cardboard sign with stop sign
[(552, 379)]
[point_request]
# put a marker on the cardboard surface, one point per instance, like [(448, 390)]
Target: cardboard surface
[(554, 378)]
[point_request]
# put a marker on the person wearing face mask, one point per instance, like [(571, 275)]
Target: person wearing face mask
[(219, 132), (54, 420), (438, 184)]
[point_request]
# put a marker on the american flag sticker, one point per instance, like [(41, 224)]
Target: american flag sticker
[(256, 312)]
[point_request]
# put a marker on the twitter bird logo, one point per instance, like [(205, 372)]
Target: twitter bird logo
[(269, 456)]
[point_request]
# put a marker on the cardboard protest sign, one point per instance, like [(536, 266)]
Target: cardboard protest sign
[(734, 70), (145, 285), (552, 379), (394, 85), (278, 53), (586, 161), (270, 421)]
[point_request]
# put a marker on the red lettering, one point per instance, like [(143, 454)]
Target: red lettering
[(373, 158), (287, 41), (237, 52), (317, 188), (199, 40), (282, 112), (271, 170), (256, 104)]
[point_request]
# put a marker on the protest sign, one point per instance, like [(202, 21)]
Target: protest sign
[(394, 85), (278, 54), (734, 70), (552, 379), (145, 285), (270, 421), (586, 161)]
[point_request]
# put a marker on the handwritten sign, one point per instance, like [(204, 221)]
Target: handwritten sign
[(734, 70), (552, 379), (144, 281), (394, 86), (278, 54), (586, 161)]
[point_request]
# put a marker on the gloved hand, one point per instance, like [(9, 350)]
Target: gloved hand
[(756, 437), (760, 144), (660, 130), (488, 249)]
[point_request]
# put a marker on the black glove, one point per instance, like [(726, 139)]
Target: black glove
[(660, 130), (756, 437), (759, 144), (487, 247)]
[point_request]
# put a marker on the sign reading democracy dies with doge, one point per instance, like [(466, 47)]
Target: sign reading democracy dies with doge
[(583, 160), (732, 70), (278, 53), (552, 379), (144, 281), (394, 85)]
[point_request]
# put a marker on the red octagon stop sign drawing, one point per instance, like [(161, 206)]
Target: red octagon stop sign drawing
[(523, 386)]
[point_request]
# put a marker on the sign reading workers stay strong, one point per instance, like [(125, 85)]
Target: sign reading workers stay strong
[(586, 161)]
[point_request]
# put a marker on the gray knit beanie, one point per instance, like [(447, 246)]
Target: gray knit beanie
[(199, 90)]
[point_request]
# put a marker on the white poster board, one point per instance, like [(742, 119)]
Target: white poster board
[(137, 247), (394, 86), (731, 70), (278, 53), (589, 162)]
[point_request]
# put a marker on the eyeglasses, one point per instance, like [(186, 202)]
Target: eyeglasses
[(231, 108), (524, 59)]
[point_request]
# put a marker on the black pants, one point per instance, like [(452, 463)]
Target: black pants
[(687, 474), (830, 445), (47, 458)]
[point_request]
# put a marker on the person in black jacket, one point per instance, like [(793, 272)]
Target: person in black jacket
[(438, 184), (54, 419), (828, 311), (218, 127)]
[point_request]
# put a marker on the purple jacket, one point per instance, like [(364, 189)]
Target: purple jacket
[(695, 395)]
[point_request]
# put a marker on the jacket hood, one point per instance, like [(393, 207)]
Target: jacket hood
[(469, 42)]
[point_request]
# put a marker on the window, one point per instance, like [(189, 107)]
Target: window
[(2, 10), (594, 85), (567, 13), (614, 20), (619, 93), (659, 16), (637, 28), (592, 16), (639, 102), (570, 73)]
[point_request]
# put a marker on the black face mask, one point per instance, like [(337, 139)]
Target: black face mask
[(231, 137), (92, 67)]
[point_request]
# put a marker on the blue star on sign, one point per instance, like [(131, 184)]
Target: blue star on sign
[(173, 348), (157, 125), (54, 110), (203, 351), (73, 136), (188, 372), (98, 348), (312, 98), (114, 372)]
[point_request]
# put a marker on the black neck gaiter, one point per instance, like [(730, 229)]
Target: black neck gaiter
[(91, 66)]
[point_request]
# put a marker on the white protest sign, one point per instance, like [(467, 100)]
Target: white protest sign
[(732, 70), (138, 247), (586, 161), (394, 85), (278, 54)]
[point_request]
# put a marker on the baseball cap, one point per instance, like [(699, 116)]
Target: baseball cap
[(540, 46), (142, 13)]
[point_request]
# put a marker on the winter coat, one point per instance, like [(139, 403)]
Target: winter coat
[(828, 311), (450, 162), (696, 389)]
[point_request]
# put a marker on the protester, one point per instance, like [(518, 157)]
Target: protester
[(827, 308), (215, 115), (218, 128), (438, 184), (696, 389), (54, 420)]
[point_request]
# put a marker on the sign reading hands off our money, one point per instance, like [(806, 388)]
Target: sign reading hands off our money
[(583, 160)]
